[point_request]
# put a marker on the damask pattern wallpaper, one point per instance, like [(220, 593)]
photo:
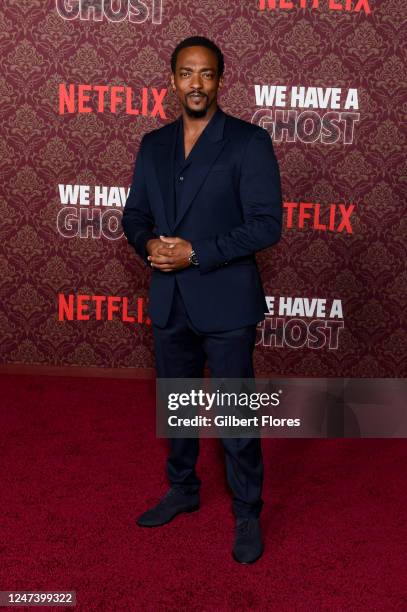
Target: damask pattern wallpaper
[(324, 78)]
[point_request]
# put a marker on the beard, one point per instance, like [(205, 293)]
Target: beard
[(196, 113)]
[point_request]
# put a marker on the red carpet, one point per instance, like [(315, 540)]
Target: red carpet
[(80, 461)]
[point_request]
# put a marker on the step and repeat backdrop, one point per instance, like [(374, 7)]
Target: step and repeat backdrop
[(84, 80)]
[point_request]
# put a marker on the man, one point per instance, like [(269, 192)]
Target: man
[(205, 197)]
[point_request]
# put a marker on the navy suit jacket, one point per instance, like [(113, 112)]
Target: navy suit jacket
[(231, 208)]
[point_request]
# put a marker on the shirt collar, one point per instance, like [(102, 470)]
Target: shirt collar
[(206, 131)]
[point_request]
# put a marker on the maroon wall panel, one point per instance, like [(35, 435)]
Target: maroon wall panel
[(325, 78)]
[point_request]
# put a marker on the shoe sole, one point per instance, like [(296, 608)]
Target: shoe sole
[(192, 509), (247, 562)]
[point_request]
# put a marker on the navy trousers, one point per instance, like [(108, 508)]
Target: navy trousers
[(181, 351)]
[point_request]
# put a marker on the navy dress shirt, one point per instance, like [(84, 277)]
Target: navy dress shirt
[(181, 166)]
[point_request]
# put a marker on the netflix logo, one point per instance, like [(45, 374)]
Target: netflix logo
[(81, 307), (350, 6), (332, 218), (102, 98)]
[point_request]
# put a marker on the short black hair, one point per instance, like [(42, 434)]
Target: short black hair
[(198, 41)]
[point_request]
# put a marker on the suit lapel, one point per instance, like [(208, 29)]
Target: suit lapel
[(204, 152), (203, 156), (164, 152)]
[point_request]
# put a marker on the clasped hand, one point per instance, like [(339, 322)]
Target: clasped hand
[(169, 253)]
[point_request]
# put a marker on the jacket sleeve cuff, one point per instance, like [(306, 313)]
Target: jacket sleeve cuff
[(140, 244), (208, 254)]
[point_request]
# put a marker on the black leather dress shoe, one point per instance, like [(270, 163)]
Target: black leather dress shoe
[(248, 545), (174, 502)]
